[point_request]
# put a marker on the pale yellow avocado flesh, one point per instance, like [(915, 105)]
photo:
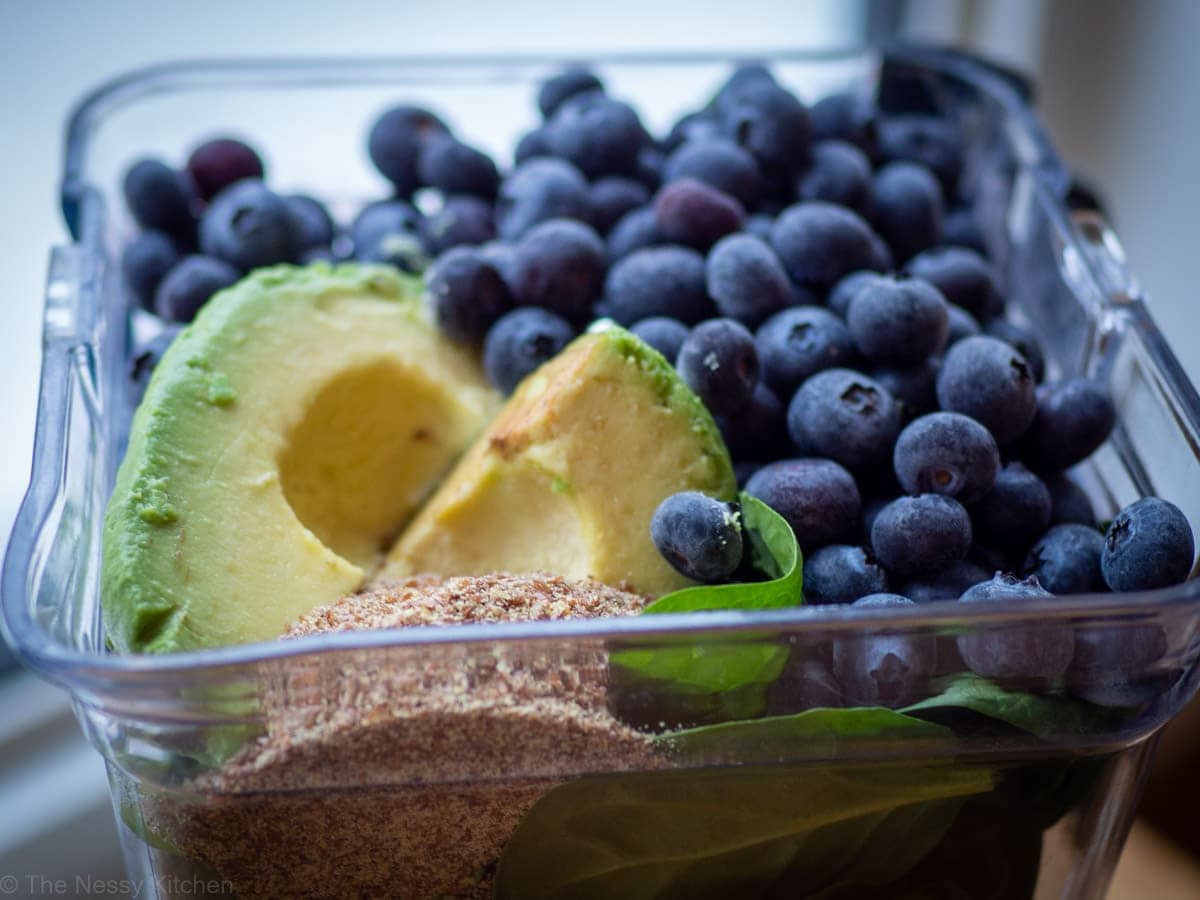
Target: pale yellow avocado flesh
[(568, 476), (284, 440)]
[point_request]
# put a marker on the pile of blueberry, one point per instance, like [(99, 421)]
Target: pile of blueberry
[(815, 273)]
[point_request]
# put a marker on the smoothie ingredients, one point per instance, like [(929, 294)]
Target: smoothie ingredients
[(798, 268), (811, 305)]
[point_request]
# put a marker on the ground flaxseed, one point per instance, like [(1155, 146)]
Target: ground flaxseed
[(402, 771)]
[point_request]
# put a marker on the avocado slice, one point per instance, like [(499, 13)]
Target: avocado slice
[(568, 476), (284, 440)]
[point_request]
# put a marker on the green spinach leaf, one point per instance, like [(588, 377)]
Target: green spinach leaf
[(744, 832), (690, 680), (819, 732), (1042, 716)]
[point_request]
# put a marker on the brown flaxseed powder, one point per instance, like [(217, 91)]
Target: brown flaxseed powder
[(402, 771)]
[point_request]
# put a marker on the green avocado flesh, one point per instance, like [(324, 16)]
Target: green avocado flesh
[(568, 476), (285, 439)]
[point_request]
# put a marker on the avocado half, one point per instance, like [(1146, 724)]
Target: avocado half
[(568, 476), (284, 440)]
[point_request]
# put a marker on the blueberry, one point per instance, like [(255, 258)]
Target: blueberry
[(658, 281), (218, 163), (758, 225), (1148, 545), (913, 387), (395, 142), (249, 226), (1025, 653), (845, 416), (146, 360), (1023, 340), (664, 334), (1068, 501), (190, 284), (384, 217), (798, 342), (649, 167), (906, 208), (634, 231), (501, 256), (721, 164), (948, 584), (601, 138), (840, 173), (468, 295), (921, 535), (1014, 512), (1074, 417), (1066, 560), (929, 141), (462, 220), (699, 536), (746, 280), (570, 82), (947, 453), (961, 228), (850, 117), (771, 124), (1114, 665), (748, 75), (520, 341), (843, 292), (961, 324), (694, 126), (817, 497), (964, 277), (805, 683), (456, 168), (759, 429), (719, 362), (144, 263), (532, 143), (820, 244), (884, 669), (840, 573), (612, 197), (161, 198), (694, 214), (871, 509), (392, 232), (559, 265), (311, 222), (897, 322), (537, 190), (991, 382)]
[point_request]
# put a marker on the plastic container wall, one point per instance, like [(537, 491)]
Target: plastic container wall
[(251, 768)]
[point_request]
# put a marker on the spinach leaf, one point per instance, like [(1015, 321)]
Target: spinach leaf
[(741, 832), (689, 680), (819, 732), (1042, 716), (773, 551)]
